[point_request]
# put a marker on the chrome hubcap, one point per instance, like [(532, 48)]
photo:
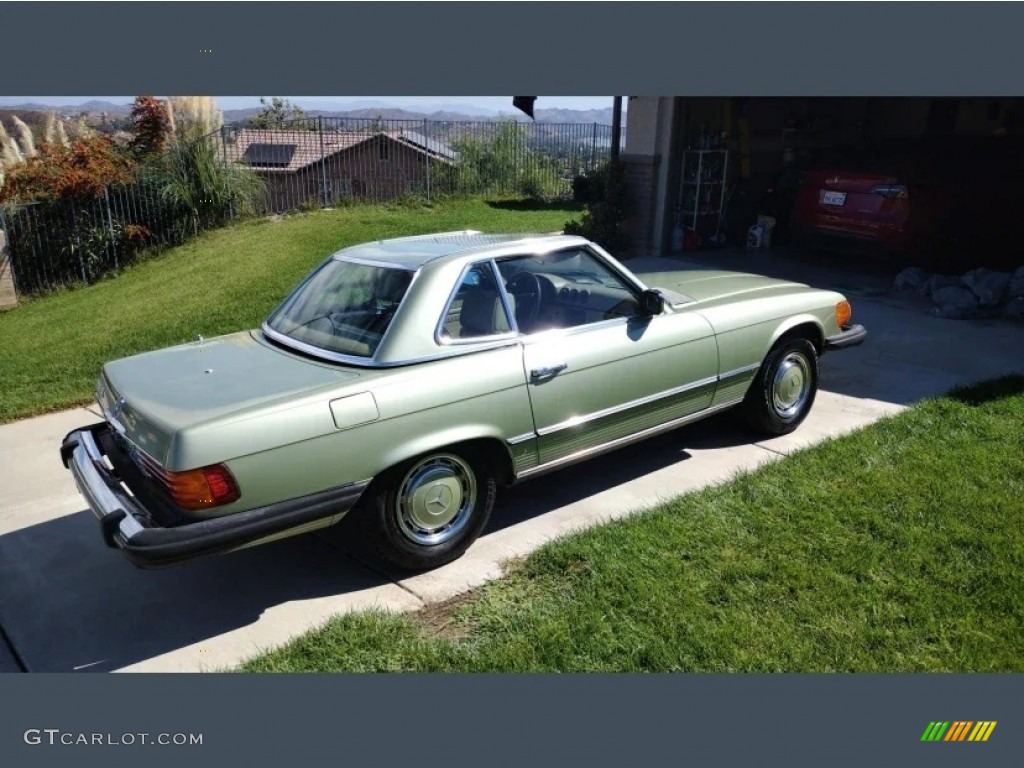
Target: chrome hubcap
[(791, 386), (435, 499)]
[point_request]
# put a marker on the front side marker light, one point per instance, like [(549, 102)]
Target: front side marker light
[(844, 312)]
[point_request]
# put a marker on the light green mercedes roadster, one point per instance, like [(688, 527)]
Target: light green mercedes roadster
[(403, 381)]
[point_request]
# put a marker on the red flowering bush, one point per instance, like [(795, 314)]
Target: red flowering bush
[(82, 170)]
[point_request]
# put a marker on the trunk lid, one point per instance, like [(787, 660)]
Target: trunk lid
[(156, 394)]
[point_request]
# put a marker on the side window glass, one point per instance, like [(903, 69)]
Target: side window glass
[(476, 309), (565, 289)]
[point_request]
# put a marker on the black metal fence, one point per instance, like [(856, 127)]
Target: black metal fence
[(307, 163), (65, 242), (327, 160)]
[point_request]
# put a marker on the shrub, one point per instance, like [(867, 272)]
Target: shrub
[(81, 171), (201, 190), (607, 203)]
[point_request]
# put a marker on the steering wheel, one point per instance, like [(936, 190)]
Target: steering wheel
[(526, 288)]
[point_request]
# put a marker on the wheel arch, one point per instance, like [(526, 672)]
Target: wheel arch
[(478, 444), (800, 326)]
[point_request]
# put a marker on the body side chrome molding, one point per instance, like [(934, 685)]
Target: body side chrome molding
[(735, 372), (578, 420), (622, 441)]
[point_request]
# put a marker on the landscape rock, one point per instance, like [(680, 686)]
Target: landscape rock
[(956, 302), (1015, 289), (1014, 309), (988, 285), (939, 282), (912, 280)]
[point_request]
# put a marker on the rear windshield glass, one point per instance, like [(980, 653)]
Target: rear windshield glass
[(343, 307)]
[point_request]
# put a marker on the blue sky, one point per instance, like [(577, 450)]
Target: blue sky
[(487, 103)]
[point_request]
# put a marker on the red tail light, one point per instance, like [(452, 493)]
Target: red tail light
[(202, 488), (197, 488), (891, 191)]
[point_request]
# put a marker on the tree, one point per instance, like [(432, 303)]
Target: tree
[(276, 114), (150, 126), (505, 164)]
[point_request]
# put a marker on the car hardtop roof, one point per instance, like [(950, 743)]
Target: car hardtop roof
[(413, 252)]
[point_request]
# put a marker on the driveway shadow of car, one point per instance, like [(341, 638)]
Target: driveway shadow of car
[(537, 497), (69, 603)]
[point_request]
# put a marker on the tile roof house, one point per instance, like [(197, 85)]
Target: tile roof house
[(301, 167)]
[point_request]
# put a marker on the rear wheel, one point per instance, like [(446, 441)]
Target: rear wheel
[(426, 512), (784, 389)]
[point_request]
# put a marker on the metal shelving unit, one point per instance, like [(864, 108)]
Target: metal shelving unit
[(702, 191)]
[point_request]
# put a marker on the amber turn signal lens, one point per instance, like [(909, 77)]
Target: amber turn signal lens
[(843, 313), (202, 488)]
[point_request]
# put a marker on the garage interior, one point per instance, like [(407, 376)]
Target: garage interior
[(702, 171)]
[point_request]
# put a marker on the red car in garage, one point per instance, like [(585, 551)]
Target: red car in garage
[(942, 206), (886, 211)]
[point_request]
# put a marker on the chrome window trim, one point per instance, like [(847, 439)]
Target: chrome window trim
[(384, 336), (315, 351), (577, 421), (373, 262), (366, 362), (587, 453), (449, 342), (557, 333), (511, 334), (505, 299)]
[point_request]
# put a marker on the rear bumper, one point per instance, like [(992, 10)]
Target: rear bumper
[(856, 238), (128, 526), (851, 336)]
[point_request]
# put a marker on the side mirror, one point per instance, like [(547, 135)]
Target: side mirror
[(651, 303)]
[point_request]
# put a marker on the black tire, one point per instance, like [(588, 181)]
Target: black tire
[(391, 520), (790, 371)]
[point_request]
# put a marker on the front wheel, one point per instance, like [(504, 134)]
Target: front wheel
[(427, 512), (782, 393)]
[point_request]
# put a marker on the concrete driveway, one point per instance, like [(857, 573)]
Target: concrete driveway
[(68, 603)]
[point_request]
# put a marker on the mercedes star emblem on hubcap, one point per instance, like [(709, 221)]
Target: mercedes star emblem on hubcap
[(439, 500)]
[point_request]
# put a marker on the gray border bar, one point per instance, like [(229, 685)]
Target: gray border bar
[(552, 48), (515, 720)]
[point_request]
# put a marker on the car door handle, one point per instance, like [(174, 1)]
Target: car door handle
[(547, 371)]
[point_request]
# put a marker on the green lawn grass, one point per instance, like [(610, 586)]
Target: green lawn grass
[(51, 348), (896, 548)]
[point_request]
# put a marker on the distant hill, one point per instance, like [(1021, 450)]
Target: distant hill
[(88, 106), (366, 108), (599, 116)]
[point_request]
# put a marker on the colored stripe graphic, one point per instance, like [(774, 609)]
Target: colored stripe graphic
[(958, 730), (983, 730), (935, 730)]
